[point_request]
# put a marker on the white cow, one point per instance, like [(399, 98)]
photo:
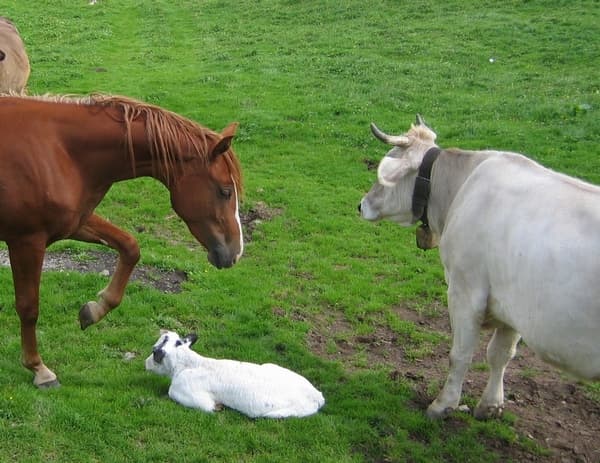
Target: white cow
[(266, 390), (520, 245)]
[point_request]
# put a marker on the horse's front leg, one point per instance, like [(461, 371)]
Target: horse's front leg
[(26, 258), (98, 230)]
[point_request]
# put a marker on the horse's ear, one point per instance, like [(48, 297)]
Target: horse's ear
[(230, 130), (225, 142)]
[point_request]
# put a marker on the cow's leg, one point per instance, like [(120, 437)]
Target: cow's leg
[(98, 230), (26, 258), (466, 315), (500, 351)]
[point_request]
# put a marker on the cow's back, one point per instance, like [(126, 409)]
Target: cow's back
[(527, 239)]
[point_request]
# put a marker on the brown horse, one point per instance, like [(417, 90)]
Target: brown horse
[(58, 158)]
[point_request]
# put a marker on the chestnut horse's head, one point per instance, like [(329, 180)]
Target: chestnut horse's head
[(198, 166), (206, 195)]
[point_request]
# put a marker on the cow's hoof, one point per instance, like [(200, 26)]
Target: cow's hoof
[(439, 414), (488, 412), (86, 315)]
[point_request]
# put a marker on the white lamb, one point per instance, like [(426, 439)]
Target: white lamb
[(209, 384)]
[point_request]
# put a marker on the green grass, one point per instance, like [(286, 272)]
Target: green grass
[(304, 79)]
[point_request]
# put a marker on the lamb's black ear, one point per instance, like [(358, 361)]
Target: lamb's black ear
[(190, 339)]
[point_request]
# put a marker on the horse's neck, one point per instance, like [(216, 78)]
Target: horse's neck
[(98, 142)]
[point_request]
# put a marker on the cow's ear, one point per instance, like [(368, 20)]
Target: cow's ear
[(190, 339), (391, 170)]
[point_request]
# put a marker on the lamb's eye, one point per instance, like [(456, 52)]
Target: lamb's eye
[(178, 343)]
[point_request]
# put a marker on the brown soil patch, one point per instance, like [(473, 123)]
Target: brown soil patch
[(371, 164), (257, 214), (104, 262), (551, 410)]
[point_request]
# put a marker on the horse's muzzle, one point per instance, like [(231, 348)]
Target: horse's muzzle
[(222, 257)]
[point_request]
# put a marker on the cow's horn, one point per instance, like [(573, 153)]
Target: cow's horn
[(389, 139)]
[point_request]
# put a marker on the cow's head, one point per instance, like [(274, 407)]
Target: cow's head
[(391, 196), (167, 352)]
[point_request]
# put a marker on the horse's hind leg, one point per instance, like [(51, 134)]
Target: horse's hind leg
[(98, 230), (26, 258)]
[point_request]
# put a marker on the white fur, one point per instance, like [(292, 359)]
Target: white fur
[(239, 222), (255, 390), (520, 251)]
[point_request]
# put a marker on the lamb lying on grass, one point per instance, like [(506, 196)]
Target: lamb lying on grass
[(208, 384)]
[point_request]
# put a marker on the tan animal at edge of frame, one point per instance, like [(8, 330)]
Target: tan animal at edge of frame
[(14, 63)]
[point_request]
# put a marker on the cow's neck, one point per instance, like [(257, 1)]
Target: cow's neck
[(451, 169)]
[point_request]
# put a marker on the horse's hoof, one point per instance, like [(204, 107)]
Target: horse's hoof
[(86, 316), (49, 384)]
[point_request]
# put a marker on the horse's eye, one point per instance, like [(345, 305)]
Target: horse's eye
[(226, 192)]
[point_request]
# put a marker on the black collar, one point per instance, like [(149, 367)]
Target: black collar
[(423, 185)]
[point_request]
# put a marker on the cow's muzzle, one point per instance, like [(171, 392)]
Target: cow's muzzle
[(366, 211)]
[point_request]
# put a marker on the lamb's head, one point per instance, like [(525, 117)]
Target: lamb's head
[(168, 351)]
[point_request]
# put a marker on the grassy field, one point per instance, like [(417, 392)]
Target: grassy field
[(304, 79)]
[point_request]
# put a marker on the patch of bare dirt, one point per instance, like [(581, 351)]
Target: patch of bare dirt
[(257, 214), (371, 164), (551, 410), (104, 261)]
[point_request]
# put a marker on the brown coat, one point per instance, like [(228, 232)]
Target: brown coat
[(14, 64), (58, 158)]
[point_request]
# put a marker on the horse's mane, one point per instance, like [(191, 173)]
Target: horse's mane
[(166, 132)]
